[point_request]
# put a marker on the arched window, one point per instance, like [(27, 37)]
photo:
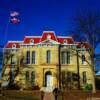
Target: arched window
[(48, 56), (33, 77), (27, 75), (33, 57), (28, 57)]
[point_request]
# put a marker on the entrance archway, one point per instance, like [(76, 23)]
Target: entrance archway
[(48, 79)]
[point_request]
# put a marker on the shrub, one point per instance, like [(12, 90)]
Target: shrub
[(88, 87), (13, 87)]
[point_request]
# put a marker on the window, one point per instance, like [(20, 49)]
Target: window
[(33, 77), (33, 57), (14, 46), (83, 59), (13, 59), (28, 57), (65, 57), (69, 79), (48, 56), (63, 78), (27, 75), (69, 76), (68, 57), (84, 78), (31, 41), (65, 42)]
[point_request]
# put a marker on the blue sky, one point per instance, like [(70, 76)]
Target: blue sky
[(39, 15)]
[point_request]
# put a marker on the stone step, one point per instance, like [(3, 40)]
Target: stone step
[(47, 89)]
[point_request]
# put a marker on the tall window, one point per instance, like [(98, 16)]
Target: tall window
[(48, 56), (84, 78), (33, 77), (28, 57), (69, 76), (83, 59), (65, 57), (63, 78), (33, 57), (68, 57), (27, 75)]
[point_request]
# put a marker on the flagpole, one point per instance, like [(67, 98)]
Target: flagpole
[(6, 31)]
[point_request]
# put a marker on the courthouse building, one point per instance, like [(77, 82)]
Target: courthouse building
[(47, 61)]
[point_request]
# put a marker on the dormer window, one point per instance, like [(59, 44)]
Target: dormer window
[(49, 37), (65, 42), (31, 41), (14, 46)]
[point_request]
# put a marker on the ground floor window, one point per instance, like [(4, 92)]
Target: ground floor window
[(84, 78), (33, 77), (27, 75)]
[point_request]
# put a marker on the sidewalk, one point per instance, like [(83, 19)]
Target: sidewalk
[(48, 96)]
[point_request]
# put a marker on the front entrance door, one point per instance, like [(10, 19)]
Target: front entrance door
[(48, 79)]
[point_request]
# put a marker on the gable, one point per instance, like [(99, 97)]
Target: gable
[(48, 33)]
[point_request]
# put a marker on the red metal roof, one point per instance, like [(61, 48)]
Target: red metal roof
[(27, 39), (11, 43), (68, 39), (85, 44), (38, 39)]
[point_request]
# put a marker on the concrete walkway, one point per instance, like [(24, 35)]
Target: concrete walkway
[(48, 96)]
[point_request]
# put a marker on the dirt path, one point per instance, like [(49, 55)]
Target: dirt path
[(48, 96)]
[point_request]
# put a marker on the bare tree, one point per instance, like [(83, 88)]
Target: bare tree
[(87, 29)]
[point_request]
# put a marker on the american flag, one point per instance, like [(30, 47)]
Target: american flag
[(14, 13), (15, 20)]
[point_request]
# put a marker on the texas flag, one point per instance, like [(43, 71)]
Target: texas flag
[(15, 20), (14, 14)]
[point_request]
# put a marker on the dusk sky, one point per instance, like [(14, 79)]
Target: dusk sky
[(37, 16)]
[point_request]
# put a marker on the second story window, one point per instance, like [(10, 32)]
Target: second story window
[(33, 57), (48, 56), (65, 57), (68, 57), (83, 59), (13, 59), (28, 57)]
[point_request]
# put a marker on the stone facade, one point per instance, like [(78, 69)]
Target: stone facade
[(36, 60)]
